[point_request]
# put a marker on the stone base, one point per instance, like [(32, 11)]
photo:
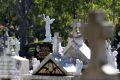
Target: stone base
[(101, 78), (47, 39), (38, 77), (97, 73)]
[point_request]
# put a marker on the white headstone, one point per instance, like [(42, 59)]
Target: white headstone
[(56, 43), (47, 28), (79, 66), (13, 67), (35, 63)]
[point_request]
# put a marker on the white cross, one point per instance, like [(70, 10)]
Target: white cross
[(56, 41)]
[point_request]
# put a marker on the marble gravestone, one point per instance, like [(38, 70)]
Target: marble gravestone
[(47, 28), (97, 30), (42, 50), (11, 67)]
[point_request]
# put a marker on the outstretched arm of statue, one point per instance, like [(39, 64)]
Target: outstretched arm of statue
[(51, 21), (44, 17)]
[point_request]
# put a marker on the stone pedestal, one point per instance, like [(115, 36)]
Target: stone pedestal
[(21, 64)]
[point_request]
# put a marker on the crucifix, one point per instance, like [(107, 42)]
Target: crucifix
[(97, 30)]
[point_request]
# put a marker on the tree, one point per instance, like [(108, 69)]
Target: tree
[(27, 15), (22, 7)]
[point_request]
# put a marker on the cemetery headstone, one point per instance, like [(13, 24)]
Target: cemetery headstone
[(42, 50), (56, 43), (76, 48), (12, 67), (97, 30)]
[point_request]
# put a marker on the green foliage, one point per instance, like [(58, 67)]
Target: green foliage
[(64, 11), (117, 11), (7, 10)]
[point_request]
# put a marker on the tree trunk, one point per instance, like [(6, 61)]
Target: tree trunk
[(22, 17)]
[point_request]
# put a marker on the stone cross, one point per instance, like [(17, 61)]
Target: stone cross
[(47, 28), (56, 42), (96, 31)]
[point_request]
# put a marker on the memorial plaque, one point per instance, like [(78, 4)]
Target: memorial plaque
[(42, 50)]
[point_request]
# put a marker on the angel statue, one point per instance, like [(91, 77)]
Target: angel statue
[(47, 28)]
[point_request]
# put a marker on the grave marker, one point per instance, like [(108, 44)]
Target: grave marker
[(56, 42), (42, 50), (97, 31)]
